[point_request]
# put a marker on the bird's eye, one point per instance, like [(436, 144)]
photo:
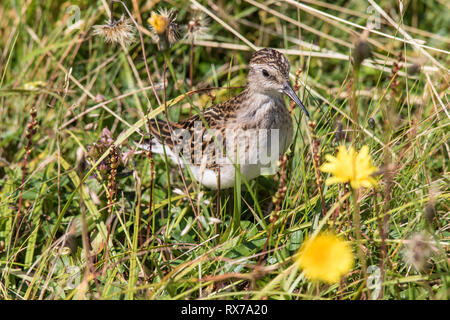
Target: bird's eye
[(265, 73)]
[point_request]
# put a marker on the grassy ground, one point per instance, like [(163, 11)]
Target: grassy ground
[(65, 235)]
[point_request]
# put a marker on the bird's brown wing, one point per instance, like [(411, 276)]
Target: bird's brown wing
[(212, 118), (160, 130), (196, 127)]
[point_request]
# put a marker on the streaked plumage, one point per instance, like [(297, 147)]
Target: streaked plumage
[(256, 110)]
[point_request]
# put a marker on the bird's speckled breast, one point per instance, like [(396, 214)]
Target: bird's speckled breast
[(277, 116)]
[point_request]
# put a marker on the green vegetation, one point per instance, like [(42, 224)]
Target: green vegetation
[(82, 218)]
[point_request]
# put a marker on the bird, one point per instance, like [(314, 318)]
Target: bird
[(243, 136)]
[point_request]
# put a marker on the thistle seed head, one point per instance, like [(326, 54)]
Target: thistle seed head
[(116, 31), (164, 29)]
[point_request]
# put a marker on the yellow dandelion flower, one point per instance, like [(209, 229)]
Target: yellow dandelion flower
[(325, 257), (164, 29), (349, 166), (158, 22)]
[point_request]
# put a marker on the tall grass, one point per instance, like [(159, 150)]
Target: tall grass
[(68, 231)]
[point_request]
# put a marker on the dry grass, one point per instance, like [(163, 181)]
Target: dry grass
[(68, 230)]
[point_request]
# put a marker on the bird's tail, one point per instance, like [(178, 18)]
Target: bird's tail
[(161, 141)]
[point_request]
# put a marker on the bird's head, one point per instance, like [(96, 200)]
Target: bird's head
[(269, 74)]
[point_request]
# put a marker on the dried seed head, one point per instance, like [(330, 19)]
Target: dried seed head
[(417, 251), (81, 163), (430, 207), (164, 29), (172, 33), (70, 244), (361, 52), (33, 112), (430, 212), (339, 134), (97, 149), (413, 69), (371, 123), (116, 31), (362, 49), (197, 27)]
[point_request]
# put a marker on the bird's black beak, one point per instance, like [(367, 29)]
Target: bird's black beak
[(287, 89)]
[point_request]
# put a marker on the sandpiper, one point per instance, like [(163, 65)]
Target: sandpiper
[(244, 135)]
